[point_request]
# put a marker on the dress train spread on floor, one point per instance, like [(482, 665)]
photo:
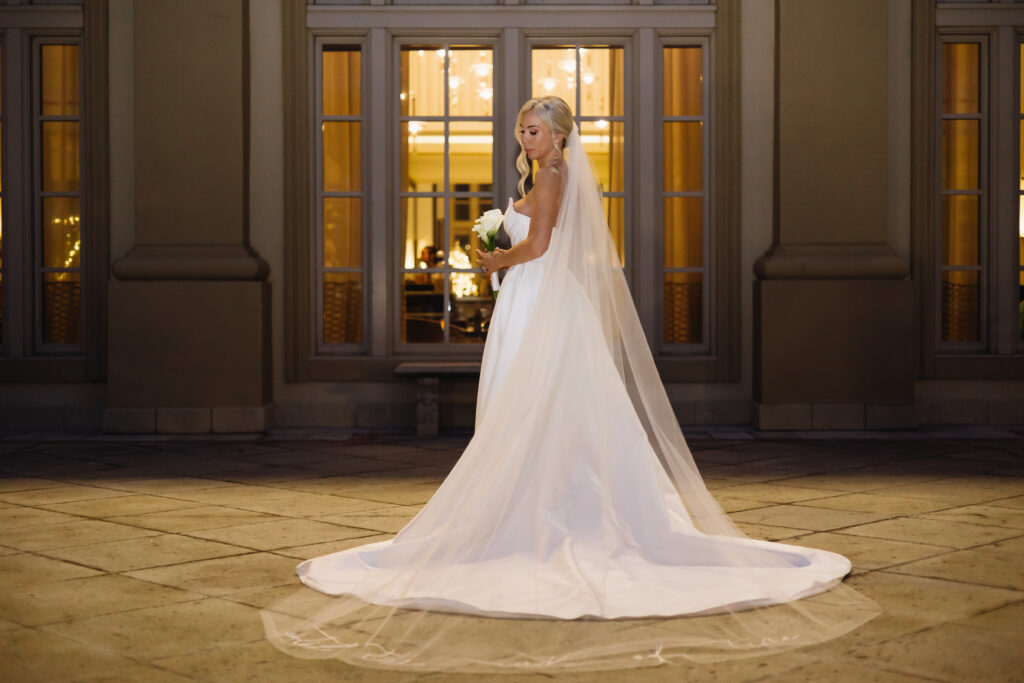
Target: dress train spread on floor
[(575, 515)]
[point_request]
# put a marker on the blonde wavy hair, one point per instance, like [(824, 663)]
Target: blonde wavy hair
[(556, 115)]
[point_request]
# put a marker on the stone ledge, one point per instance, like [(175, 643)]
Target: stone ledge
[(183, 420), (242, 420), (129, 420)]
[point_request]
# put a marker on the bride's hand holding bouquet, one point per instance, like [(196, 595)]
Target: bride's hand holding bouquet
[(486, 228)]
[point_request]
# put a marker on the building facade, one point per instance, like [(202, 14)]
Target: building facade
[(228, 215)]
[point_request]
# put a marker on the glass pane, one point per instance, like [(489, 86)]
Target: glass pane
[(62, 309), (684, 154), (683, 81), (422, 156), (960, 155), (554, 73), (470, 153), (422, 80), (342, 81), (59, 90), (423, 308), (60, 156), (422, 232), (683, 308), (61, 232), (463, 214), (343, 232), (684, 232), (343, 308), (605, 144), (960, 69), (960, 230), (601, 81), (960, 305), (615, 214), (470, 81), (342, 159), (472, 303)]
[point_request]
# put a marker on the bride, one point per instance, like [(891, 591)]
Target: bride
[(575, 531)]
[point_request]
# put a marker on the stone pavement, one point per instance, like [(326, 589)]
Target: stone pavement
[(148, 559)]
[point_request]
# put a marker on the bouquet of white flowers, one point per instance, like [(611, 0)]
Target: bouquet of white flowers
[(487, 229)]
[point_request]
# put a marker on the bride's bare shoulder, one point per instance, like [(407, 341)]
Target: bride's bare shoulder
[(548, 180)]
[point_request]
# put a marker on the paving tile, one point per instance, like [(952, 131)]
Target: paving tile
[(306, 552), (390, 523), (280, 533), (1007, 618), (194, 518), (1015, 502), (79, 598), (19, 517), (730, 504), (167, 630), (982, 514), (261, 661), (951, 652), (67, 534), (139, 553), (225, 575), (766, 532), (878, 503), (159, 485), (952, 492), (1013, 546), (869, 553), (776, 493), (932, 601), (804, 517), (26, 569), (122, 505), (58, 494), (30, 655), (9, 483), (846, 482), (844, 671), (933, 532), (984, 566), (276, 501)]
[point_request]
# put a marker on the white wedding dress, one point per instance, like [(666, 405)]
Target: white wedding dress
[(656, 563), (577, 499)]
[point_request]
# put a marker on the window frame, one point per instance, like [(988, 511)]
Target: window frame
[(707, 194), (319, 194), (22, 28), (1003, 356), (399, 40), (512, 29)]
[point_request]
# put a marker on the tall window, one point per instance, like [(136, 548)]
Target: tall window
[(1020, 188), (41, 198), (684, 197), (446, 137), (590, 78), (411, 140), (963, 194), (58, 197), (340, 198)]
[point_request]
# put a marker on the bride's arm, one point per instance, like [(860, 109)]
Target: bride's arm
[(546, 192)]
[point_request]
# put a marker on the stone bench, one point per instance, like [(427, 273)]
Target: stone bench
[(428, 414)]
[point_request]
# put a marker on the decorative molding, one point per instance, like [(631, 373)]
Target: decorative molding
[(191, 262), (831, 261)]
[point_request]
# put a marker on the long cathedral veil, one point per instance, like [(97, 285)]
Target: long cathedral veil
[(583, 370)]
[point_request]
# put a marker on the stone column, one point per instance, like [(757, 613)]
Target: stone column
[(833, 303), (189, 324)]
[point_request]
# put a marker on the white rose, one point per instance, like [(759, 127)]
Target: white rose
[(487, 225)]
